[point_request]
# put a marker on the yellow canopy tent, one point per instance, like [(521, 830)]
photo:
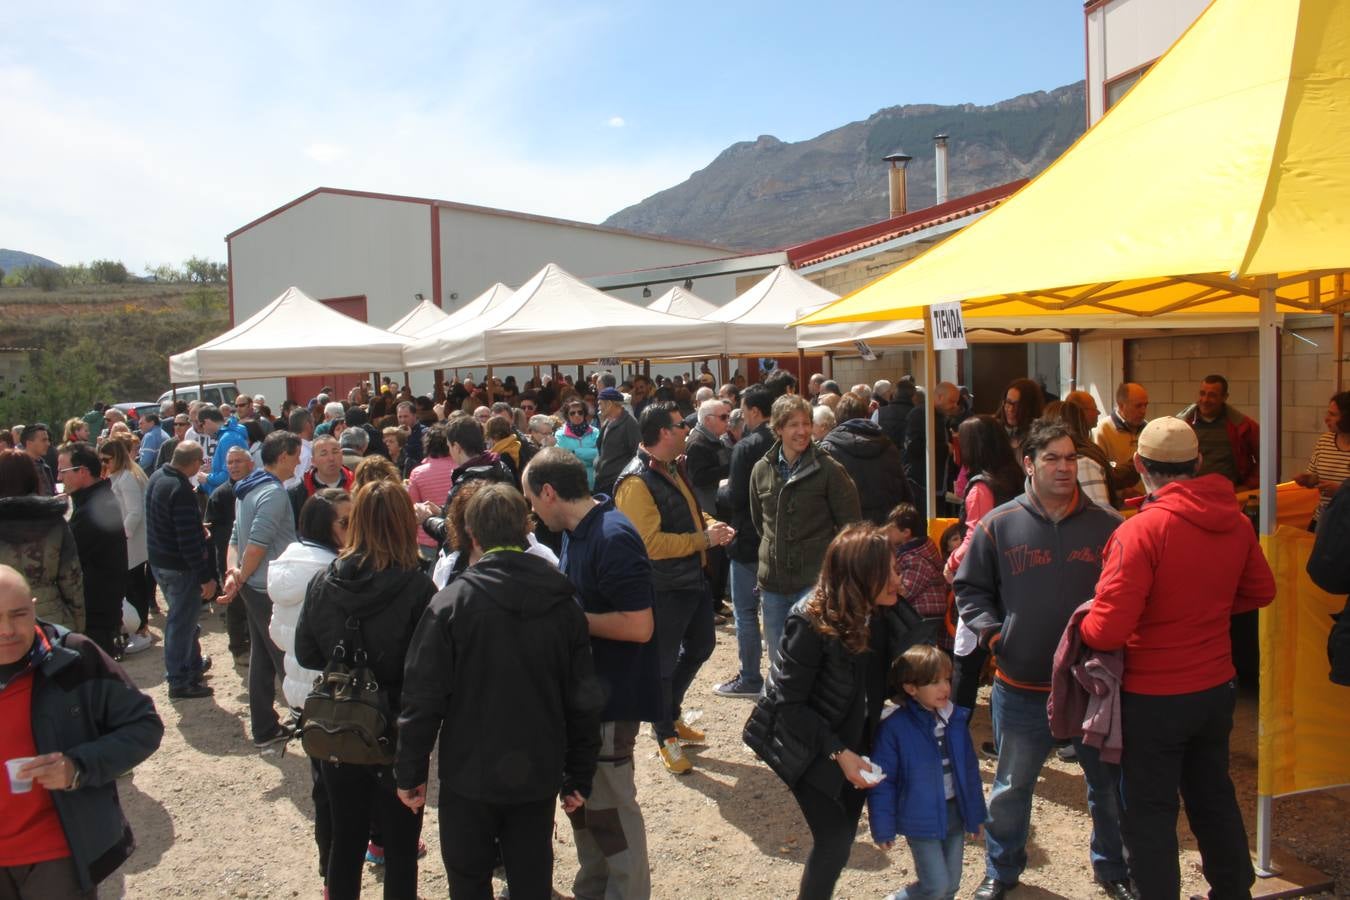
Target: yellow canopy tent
[(1219, 185)]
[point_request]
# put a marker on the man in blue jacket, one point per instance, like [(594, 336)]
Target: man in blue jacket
[(230, 435), (66, 833)]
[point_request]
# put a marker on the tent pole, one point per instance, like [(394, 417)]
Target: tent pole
[(725, 368), (1268, 343), (1338, 327), (1073, 359), (827, 367), (930, 421), (489, 385), (581, 375), (801, 370)]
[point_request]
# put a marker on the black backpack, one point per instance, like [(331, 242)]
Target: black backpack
[(346, 716), (1329, 568)]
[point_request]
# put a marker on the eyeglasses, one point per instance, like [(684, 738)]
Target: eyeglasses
[(680, 424), (69, 469), (576, 412), (725, 417)]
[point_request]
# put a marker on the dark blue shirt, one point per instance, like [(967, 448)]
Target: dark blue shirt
[(607, 563)]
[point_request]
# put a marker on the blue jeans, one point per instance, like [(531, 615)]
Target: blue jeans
[(776, 609), (937, 863), (746, 606), (1022, 732), (182, 651)]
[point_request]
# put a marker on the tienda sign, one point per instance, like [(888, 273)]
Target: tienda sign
[(948, 328)]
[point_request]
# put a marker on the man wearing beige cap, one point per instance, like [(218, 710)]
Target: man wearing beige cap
[(1172, 577)]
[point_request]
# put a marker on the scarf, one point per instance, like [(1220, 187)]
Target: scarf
[(579, 430)]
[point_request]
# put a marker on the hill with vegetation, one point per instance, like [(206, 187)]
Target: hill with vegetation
[(18, 259), (768, 193), (85, 340)]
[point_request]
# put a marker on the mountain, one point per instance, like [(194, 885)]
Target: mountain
[(15, 259), (768, 193)]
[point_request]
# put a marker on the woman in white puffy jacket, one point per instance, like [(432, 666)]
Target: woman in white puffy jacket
[(322, 532)]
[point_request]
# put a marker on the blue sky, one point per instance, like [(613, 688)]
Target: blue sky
[(147, 131)]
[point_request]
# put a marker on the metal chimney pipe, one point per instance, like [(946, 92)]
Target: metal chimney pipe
[(899, 199), (940, 166)]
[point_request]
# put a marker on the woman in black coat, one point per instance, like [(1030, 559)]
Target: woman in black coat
[(377, 581), (836, 650)]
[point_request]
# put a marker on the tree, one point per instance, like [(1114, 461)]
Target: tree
[(58, 384), (106, 271), (44, 278)]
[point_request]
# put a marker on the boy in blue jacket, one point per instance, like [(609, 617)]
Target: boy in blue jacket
[(932, 791)]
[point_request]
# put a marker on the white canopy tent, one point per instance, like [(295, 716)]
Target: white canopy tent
[(757, 320), (490, 299), (293, 335), (679, 302), (422, 317), (555, 317)]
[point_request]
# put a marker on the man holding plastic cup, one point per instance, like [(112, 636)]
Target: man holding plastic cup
[(63, 831)]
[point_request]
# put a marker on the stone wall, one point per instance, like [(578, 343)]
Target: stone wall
[(1171, 368)]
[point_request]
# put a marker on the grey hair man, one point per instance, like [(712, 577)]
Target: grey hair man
[(354, 442)]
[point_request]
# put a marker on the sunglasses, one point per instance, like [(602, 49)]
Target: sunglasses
[(576, 412), (682, 425), (725, 417)]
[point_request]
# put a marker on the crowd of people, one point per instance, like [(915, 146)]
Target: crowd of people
[(566, 549)]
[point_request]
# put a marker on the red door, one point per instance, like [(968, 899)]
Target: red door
[(303, 388)]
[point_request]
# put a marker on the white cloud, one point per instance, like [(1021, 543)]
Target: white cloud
[(231, 136), (616, 122), (322, 152)]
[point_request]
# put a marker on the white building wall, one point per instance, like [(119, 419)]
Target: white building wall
[(1123, 35), (333, 245)]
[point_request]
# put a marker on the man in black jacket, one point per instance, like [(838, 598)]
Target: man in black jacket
[(473, 462), (946, 397), (869, 457), (756, 405), (220, 520), (618, 441), (74, 834), (96, 522), (504, 654)]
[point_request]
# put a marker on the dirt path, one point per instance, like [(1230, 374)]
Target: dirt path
[(214, 819)]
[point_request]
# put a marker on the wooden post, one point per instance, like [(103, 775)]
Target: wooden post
[(827, 367), (581, 375), (438, 387), (725, 368), (801, 371), (647, 367)]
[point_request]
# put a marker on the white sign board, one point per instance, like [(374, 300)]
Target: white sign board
[(949, 330), (865, 351)]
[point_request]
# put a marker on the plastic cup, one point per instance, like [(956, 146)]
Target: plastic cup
[(18, 785)]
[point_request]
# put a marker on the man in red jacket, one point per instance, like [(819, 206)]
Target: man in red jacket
[(1172, 577)]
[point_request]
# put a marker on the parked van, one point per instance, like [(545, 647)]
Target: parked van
[(216, 393)]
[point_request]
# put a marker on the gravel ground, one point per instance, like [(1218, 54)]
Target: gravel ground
[(214, 819)]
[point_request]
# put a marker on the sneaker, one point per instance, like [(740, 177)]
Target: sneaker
[(278, 739), (688, 734), (672, 754), (1067, 753), (206, 665), (138, 642), (374, 854), (737, 687), (241, 659), (191, 691)]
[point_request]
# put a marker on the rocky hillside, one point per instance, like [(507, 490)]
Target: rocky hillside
[(767, 193), (14, 259)]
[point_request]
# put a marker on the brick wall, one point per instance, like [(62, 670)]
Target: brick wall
[(1171, 368)]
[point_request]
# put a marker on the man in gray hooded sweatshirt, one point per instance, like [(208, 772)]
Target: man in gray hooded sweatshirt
[(1031, 563)]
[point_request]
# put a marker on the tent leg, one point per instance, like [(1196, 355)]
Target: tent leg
[(725, 367), (828, 365), (1073, 359), (1268, 342), (438, 387), (801, 370), (929, 420), (1338, 333), (581, 375), (407, 380)]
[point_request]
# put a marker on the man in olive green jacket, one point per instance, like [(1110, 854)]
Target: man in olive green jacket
[(800, 498)]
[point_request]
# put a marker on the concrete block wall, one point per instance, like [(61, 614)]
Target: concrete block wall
[(1171, 368), (890, 365)]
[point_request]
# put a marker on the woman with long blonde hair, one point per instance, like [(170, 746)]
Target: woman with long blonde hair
[(827, 693), (129, 484), (76, 429), (375, 586)]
